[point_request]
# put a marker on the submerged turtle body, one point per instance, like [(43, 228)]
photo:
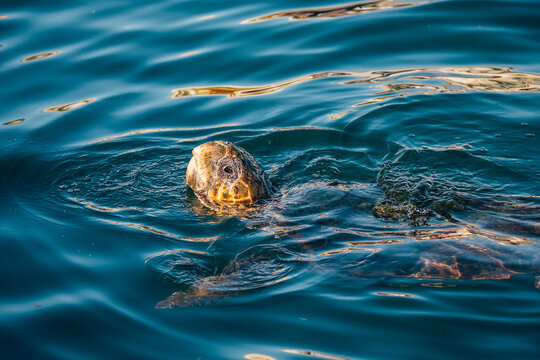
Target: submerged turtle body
[(225, 177), (228, 180)]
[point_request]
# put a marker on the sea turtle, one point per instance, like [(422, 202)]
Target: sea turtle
[(226, 178), (437, 263)]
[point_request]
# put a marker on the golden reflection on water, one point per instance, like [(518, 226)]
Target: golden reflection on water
[(316, 354), (451, 81), (91, 205), (397, 83), (473, 230), (173, 252), (14, 122), (70, 106), (339, 115), (156, 130), (438, 285), (4, 17), (395, 294), (348, 249), (258, 357), (215, 134), (40, 56), (376, 242), (338, 11), (285, 230), (239, 91), (206, 17), (458, 232), (161, 232), (525, 196), (189, 53)]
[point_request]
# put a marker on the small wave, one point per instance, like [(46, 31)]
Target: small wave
[(254, 268), (397, 83)]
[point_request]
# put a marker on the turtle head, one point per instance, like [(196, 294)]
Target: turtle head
[(222, 174)]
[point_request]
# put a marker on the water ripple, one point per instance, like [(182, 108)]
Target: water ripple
[(315, 354), (392, 82), (70, 106), (401, 138), (40, 56), (14, 122), (358, 8)]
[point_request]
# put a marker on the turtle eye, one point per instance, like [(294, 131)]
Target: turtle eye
[(229, 169)]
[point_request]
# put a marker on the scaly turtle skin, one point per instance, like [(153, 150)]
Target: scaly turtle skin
[(226, 178)]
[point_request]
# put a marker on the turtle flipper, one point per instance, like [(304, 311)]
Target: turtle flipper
[(191, 297)]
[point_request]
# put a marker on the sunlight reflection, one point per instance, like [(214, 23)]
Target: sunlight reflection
[(395, 294), (239, 91), (152, 131), (91, 205), (70, 106), (314, 354), (189, 53), (396, 83), (463, 231), (339, 115), (338, 11), (14, 122), (161, 232), (206, 17), (40, 56), (348, 250), (169, 252)]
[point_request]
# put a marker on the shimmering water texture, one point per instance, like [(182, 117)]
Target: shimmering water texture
[(338, 11), (399, 138), (398, 83), (40, 56), (71, 106)]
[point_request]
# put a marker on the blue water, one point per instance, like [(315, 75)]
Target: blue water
[(401, 138)]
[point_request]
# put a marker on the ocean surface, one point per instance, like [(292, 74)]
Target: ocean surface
[(401, 137)]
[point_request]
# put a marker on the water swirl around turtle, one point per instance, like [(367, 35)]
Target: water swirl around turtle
[(468, 227)]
